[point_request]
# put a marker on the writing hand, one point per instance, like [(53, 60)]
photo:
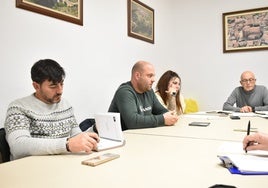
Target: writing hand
[(86, 141)]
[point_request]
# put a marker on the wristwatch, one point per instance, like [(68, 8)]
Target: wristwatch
[(67, 145)]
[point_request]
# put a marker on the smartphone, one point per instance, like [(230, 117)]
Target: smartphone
[(234, 117), (199, 123), (94, 161), (222, 186)]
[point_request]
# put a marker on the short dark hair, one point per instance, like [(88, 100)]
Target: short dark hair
[(47, 69)]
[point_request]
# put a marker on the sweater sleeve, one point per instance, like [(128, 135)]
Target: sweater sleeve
[(183, 105), (264, 98), (229, 104), (22, 145), (157, 108), (157, 94)]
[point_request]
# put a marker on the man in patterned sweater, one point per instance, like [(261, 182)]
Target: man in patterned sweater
[(44, 123)]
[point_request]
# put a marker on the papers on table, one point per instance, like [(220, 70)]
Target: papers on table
[(219, 113), (206, 115), (263, 114), (109, 144)]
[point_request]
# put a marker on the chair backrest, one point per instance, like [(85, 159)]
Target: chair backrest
[(191, 106), (86, 124), (4, 147)]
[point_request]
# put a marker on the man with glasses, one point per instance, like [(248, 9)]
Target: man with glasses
[(248, 97)]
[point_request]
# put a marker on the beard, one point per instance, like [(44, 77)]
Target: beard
[(54, 99)]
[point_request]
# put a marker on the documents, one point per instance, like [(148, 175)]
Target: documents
[(206, 115), (263, 114), (238, 162)]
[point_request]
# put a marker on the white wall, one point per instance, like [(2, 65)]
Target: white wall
[(98, 56), (208, 74)]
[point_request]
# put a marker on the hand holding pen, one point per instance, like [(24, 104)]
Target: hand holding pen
[(257, 141)]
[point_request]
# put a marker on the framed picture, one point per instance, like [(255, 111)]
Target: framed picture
[(140, 21), (68, 10), (245, 30)]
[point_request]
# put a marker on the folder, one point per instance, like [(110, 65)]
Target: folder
[(233, 168), (237, 161)]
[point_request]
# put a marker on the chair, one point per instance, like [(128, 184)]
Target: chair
[(4, 147), (191, 106), (86, 124)]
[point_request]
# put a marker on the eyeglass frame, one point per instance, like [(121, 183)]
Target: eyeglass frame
[(248, 80)]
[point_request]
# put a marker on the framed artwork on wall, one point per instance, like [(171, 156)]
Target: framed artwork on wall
[(67, 10), (245, 30), (140, 21)]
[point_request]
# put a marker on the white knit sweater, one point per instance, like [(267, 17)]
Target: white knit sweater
[(36, 128)]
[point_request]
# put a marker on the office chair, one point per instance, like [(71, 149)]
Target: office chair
[(4, 147), (86, 124)]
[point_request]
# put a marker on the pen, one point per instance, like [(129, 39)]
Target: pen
[(248, 132), (253, 129)]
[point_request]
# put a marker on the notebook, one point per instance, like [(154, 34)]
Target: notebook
[(237, 161), (109, 130)]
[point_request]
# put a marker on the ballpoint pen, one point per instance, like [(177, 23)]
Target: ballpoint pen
[(248, 132), (252, 129)]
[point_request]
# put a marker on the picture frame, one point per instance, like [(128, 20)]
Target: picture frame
[(67, 10), (140, 21), (245, 30)]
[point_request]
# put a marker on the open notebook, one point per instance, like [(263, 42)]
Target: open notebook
[(238, 162), (109, 130)]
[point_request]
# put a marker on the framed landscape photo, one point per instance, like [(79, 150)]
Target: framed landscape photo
[(67, 10), (245, 30), (140, 21)]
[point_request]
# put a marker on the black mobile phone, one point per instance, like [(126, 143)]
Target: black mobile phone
[(222, 186), (199, 123), (234, 117)]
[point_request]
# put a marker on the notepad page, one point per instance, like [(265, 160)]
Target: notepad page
[(240, 114), (107, 143), (237, 148)]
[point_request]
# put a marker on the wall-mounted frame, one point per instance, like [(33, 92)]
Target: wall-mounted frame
[(245, 30), (68, 10), (140, 21)]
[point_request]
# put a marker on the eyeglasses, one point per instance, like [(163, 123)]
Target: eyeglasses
[(248, 80)]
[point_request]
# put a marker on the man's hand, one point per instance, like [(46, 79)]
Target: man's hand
[(170, 118), (85, 141), (257, 141), (246, 109)]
